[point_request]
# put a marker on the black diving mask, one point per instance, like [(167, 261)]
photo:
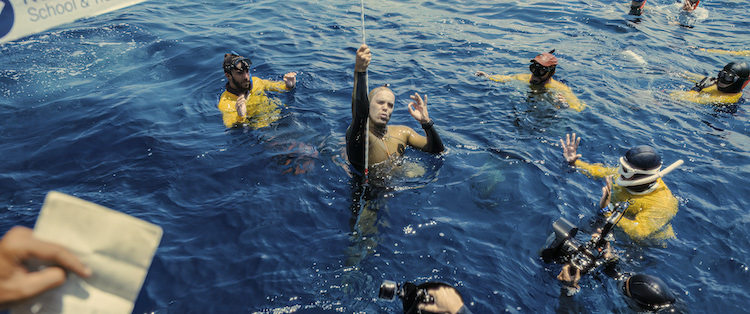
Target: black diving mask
[(540, 70), (728, 77), (241, 65)]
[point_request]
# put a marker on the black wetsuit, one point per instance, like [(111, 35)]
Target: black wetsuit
[(355, 135)]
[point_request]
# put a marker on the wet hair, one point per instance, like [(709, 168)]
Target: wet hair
[(376, 90), (229, 59)]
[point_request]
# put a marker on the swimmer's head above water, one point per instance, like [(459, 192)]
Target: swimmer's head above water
[(733, 78), (690, 5), (648, 293), (636, 7), (640, 169), (542, 68), (237, 71), (382, 102)]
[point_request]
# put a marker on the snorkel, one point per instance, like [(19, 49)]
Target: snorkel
[(626, 171), (640, 170)]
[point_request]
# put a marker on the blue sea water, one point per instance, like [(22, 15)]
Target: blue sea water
[(120, 110)]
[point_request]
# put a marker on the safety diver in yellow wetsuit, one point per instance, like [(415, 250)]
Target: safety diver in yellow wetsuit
[(724, 89), (244, 102), (639, 182), (542, 68), (375, 109)]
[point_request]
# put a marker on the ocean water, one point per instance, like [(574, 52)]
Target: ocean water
[(120, 110)]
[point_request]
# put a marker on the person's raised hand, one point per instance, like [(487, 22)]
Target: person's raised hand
[(363, 59), (570, 148), (241, 105), (418, 108), (606, 192), (446, 300), (16, 282), (290, 79)]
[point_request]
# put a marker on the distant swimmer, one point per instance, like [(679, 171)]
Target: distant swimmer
[(375, 109), (244, 101), (636, 7), (724, 89), (542, 68), (638, 181), (690, 5)]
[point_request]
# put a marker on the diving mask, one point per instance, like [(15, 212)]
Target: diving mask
[(626, 172), (242, 64), (540, 70)]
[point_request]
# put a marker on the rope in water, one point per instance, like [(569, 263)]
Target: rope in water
[(367, 125), (363, 21)]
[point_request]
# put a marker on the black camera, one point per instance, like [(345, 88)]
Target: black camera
[(562, 247), (390, 289)]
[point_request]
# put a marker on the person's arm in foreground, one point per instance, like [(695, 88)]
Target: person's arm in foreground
[(16, 282)]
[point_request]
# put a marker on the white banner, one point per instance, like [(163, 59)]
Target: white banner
[(20, 18)]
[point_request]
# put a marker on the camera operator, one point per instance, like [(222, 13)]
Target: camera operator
[(446, 299), (571, 275), (642, 292), (429, 297)]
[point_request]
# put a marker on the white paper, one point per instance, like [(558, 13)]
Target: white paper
[(118, 248), (20, 18)]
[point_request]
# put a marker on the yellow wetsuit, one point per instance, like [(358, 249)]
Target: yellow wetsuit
[(564, 90), (648, 216), (261, 111), (709, 95)]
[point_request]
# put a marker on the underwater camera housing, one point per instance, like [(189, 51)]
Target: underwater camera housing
[(562, 247), (390, 289)]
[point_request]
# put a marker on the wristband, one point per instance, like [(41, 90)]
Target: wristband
[(428, 124)]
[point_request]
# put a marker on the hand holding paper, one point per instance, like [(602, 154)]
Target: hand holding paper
[(117, 247), (17, 247)]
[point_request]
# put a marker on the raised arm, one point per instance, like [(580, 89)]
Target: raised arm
[(496, 78), (355, 135), (288, 82), (571, 155), (432, 142), (570, 148)]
